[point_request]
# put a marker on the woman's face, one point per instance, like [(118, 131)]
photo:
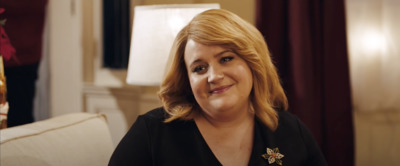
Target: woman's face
[(220, 80)]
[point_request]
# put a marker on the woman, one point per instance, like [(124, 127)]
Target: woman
[(222, 104)]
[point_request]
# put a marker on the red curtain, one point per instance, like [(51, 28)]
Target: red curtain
[(307, 40)]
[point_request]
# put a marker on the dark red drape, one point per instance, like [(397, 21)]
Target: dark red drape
[(307, 40)]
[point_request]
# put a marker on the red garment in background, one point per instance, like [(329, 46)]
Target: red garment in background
[(7, 51), (27, 42)]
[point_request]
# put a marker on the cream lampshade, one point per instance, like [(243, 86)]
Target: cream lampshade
[(154, 30)]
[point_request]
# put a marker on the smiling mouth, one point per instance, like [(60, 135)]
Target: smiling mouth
[(220, 89)]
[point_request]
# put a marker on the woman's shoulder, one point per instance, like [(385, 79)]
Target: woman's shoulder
[(157, 117), (157, 114), (287, 118), (288, 122), (291, 130)]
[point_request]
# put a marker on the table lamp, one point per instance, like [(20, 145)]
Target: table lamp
[(154, 30)]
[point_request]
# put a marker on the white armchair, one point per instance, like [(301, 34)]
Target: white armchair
[(78, 139)]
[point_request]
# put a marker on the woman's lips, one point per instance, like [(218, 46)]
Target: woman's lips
[(220, 89)]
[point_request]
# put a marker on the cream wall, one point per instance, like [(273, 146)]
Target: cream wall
[(373, 37), (245, 9), (65, 56)]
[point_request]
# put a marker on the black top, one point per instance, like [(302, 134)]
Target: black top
[(150, 141)]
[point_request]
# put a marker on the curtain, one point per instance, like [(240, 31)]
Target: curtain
[(307, 40), (41, 109), (116, 33)]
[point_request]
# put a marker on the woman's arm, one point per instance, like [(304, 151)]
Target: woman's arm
[(315, 156), (134, 148)]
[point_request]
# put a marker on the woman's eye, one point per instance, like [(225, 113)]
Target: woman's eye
[(198, 69), (226, 59)]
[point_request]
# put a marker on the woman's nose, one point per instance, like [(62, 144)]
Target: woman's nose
[(215, 75)]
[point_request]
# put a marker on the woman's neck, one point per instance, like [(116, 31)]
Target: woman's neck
[(230, 139), (227, 120), (229, 117)]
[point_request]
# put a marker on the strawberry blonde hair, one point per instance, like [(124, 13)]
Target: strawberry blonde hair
[(223, 28)]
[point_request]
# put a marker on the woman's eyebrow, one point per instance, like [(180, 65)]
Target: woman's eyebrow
[(223, 52), (216, 55)]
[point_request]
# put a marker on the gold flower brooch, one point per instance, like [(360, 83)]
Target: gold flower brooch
[(273, 156)]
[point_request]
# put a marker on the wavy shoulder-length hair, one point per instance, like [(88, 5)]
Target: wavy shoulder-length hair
[(226, 29)]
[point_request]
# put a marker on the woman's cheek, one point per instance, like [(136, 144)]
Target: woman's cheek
[(197, 84)]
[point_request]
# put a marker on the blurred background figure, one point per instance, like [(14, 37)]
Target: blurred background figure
[(24, 27)]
